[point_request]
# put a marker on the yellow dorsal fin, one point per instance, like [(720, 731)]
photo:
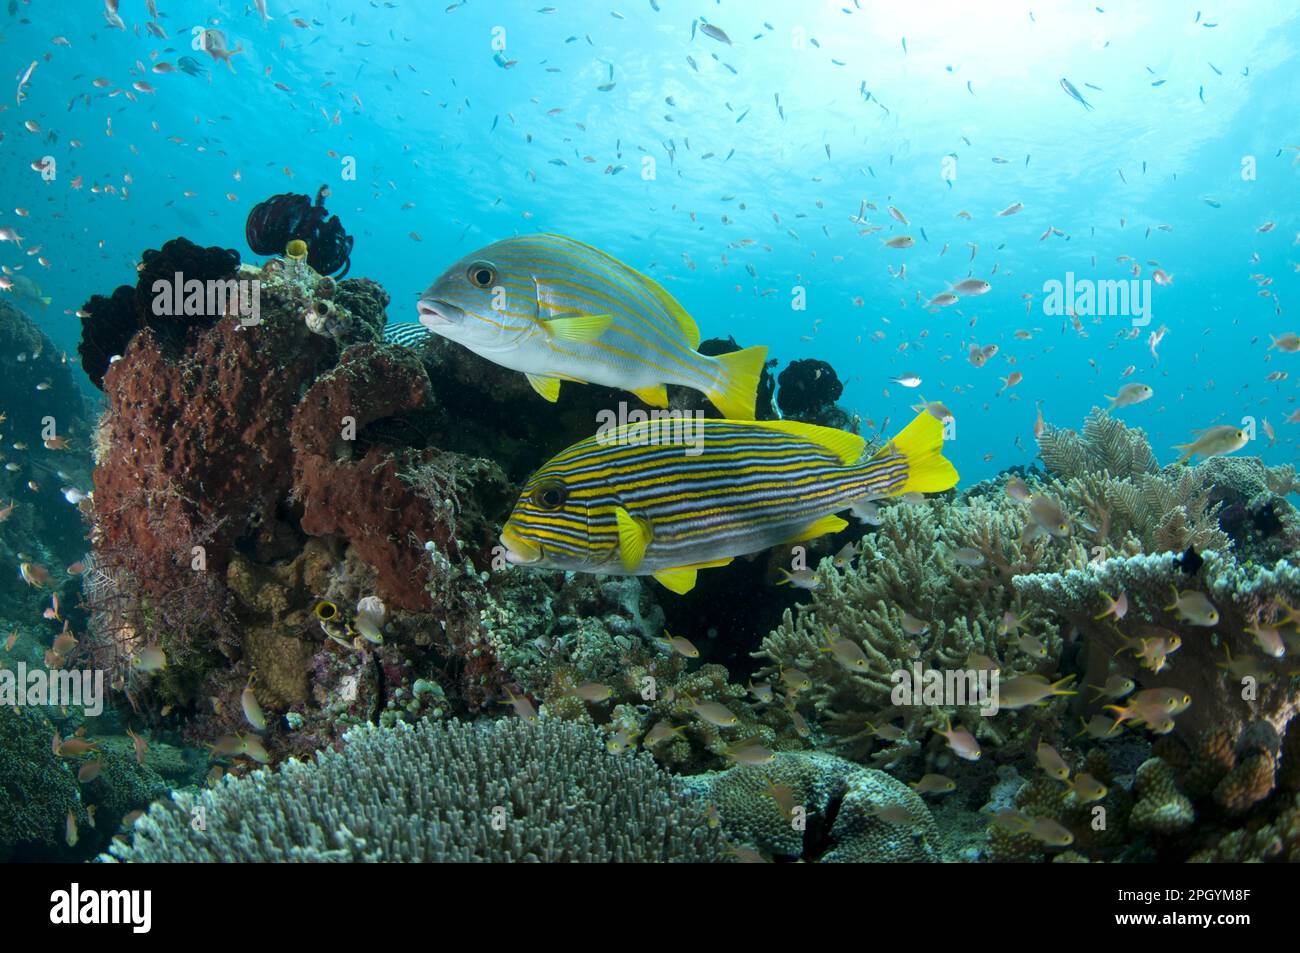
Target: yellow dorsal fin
[(633, 537), (578, 328), (679, 581), (847, 446), (921, 442), (548, 387), (827, 524), (679, 314), (656, 395), (684, 321)]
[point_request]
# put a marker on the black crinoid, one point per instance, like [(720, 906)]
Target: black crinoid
[(274, 223)]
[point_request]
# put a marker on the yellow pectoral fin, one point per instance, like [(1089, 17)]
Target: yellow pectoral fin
[(685, 323), (827, 524), (655, 396), (578, 329), (633, 537), (548, 387)]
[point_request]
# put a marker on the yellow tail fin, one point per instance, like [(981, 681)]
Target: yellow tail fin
[(742, 371), (921, 442)]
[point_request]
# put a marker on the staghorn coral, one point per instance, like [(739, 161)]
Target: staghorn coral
[(1110, 478), (906, 566), (438, 792), (548, 634), (1105, 446), (837, 823)]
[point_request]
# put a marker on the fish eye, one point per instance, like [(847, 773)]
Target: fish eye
[(550, 496), (481, 274)]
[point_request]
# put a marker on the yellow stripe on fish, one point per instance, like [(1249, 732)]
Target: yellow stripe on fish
[(666, 498), (560, 310)]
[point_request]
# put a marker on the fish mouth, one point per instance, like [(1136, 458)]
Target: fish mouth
[(435, 313), (519, 551)]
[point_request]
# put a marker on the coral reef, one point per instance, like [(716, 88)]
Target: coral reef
[(41, 792), (38, 791), (450, 792), (303, 518)]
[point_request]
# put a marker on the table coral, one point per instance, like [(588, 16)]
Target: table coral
[(439, 792)]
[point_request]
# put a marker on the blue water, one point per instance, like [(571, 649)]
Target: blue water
[(433, 120)]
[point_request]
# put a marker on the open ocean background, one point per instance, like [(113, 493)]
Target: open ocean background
[(453, 150)]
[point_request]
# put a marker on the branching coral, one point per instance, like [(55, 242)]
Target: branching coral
[(908, 568), (1245, 597)]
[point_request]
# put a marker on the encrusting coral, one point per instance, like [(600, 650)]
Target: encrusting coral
[(815, 806)]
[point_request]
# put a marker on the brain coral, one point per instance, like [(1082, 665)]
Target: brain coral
[(504, 790), (840, 800)]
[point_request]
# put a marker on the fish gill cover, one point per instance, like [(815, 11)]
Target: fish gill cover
[(835, 432)]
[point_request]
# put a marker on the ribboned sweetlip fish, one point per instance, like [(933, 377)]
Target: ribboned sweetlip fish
[(612, 505), (560, 310)]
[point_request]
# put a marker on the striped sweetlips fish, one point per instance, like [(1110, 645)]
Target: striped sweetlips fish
[(560, 310), (620, 504)]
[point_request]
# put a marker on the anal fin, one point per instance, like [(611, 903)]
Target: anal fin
[(548, 387), (656, 395), (681, 579)]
